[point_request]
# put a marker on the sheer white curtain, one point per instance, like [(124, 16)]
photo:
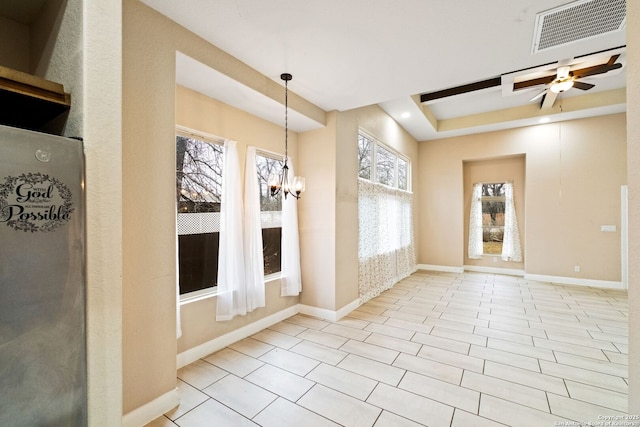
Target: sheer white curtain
[(253, 234), (232, 295), (386, 252), (291, 278), (475, 223), (511, 249)]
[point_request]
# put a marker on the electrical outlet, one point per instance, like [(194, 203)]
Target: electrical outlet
[(495, 259), (576, 269)]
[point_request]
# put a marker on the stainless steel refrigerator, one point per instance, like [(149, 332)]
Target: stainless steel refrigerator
[(43, 375)]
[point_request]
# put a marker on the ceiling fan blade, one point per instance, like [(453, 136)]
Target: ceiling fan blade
[(533, 82), (548, 100), (613, 59), (597, 69), (583, 85), (538, 95)]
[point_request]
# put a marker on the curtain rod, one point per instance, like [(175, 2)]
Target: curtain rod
[(494, 182)]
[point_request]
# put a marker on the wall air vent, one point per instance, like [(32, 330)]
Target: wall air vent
[(578, 20)]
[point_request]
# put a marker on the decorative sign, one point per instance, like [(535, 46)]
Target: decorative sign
[(34, 202)]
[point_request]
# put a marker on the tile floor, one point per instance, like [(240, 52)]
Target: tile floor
[(438, 349)]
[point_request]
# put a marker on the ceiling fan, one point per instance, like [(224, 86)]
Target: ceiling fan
[(564, 79)]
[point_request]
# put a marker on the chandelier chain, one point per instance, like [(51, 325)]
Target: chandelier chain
[(286, 119)]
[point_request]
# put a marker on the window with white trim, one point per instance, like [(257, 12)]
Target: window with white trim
[(493, 208), (380, 163), (199, 168), (270, 213)]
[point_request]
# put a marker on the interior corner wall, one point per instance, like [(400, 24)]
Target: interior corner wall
[(102, 132), (633, 162), (316, 215), (56, 53), (376, 122), (148, 198), (329, 211), (574, 171), (14, 45)]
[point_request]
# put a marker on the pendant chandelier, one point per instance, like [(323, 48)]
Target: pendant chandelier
[(282, 182)]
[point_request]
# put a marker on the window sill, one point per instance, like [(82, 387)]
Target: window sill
[(213, 292), (198, 295)]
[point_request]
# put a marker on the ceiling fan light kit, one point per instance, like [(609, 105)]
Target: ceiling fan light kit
[(561, 86)]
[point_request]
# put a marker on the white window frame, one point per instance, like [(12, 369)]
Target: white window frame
[(374, 158), (502, 199), (264, 216), (211, 139)]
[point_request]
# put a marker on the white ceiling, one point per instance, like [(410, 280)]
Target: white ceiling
[(355, 53)]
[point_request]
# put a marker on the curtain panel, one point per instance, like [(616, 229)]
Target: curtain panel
[(475, 249), (511, 248), (253, 253), (232, 288), (386, 251)]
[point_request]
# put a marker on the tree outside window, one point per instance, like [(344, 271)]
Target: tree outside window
[(493, 216), (199, 167), (381, 164), (270, 214)]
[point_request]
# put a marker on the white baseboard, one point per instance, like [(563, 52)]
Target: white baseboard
[(329, 315), (443, 268), (150, 411), (494, 270), (205, 349), (537, 277), (575, 281)]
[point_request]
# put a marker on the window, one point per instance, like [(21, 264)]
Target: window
[(493, 226), (270, 214), (199, 167), (385, 166), (364, 156), (403, 179), (493, 210), (390, 168)]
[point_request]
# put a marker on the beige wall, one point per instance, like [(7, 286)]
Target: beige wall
[(633, 162), (102, 132), (574, 171), (201, 113), (150, 100), (329, 227), (502, 169), (317, 222), (14, 45)]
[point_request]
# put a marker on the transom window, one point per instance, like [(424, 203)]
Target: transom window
[(379, 163)]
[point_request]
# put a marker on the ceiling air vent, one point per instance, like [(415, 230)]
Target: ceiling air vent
[(578, 20)]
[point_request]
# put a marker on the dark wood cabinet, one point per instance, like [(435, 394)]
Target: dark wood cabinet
[(33, 103)]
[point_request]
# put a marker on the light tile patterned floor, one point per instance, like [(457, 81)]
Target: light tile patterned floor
[(438, 349)]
